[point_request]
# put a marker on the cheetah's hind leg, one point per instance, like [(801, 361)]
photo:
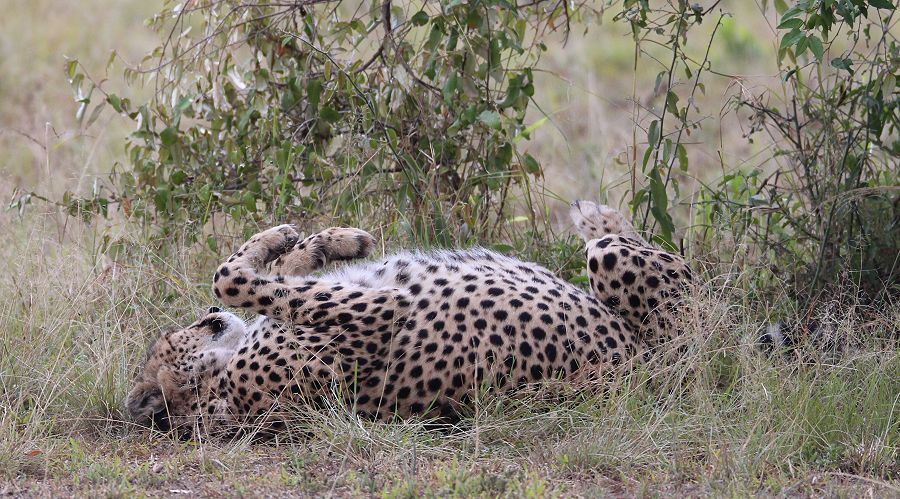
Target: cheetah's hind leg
[(318, 250), (594, 221), (639, 282)]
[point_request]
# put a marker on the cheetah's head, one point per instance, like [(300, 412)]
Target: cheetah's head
[(171, 379)]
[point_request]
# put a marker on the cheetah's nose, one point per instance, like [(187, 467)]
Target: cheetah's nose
[(213, 310)]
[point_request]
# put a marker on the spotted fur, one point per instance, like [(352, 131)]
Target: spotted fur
[(413, 333)]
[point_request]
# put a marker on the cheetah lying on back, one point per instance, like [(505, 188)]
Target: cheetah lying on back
[(413, 333)]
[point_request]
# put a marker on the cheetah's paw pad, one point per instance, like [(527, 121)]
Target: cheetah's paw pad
[(344, 243), (276, 240)]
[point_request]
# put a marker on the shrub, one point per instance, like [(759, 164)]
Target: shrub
[(279, 111), (415, 116), (828, 211)]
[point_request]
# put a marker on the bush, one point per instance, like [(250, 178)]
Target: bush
[(828, 213), (285, 110), (415, 117)]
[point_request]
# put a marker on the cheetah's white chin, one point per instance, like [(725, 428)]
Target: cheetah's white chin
[(235, 331)]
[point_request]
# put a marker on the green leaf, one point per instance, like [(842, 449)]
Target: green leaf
[(450, 86), (882, 4), (526, 133), (792, 12), (681, 152), (94, 115), (490, 118), (313, 92), (579, 279), (667, 151), (815, 45), (793, 23), (183, 104), (115, 102), (530, 165), (248, 200), (392, 136), (791, 39), (419, 18), (889, 84), (780, 6), (813, 21), (512, 92), (659, 206), (434, 37), (672, 104), (109, 60), (659, 80), (168, 136), (71, 68), (802, 45), (178, 177), (653, 134), (842, 63), (647, 154), (161, 198), (329, 114)]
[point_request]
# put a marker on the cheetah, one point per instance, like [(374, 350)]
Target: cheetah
[(415, 333)]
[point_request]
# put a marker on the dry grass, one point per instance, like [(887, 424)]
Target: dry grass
[(724, 421), (42, 146)]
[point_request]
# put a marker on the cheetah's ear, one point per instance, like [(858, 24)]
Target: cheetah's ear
[(147, 405), (587, 218)]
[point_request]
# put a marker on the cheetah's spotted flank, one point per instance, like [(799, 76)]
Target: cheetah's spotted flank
[(413, 333)]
